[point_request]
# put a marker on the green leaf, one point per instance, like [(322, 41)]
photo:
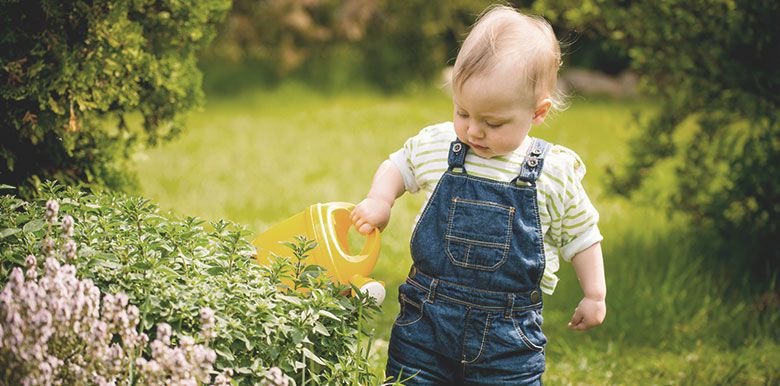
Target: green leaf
[(167, 271), (308, 354), (142, 265), (290, 299), (215, 270), (225, 353), (34, 226), (110, 265), (243, 370), (8, 232), (7, 187), (329, 315), (320, 328)]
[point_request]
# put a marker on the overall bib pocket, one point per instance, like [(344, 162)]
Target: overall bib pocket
[(478, 233)]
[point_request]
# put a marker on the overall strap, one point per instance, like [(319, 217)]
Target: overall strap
[(457, 156), (534, 160)]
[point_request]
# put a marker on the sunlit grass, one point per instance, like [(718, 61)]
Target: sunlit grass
[(261, 156)]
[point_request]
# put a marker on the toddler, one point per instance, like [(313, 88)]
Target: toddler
[(501, 209)]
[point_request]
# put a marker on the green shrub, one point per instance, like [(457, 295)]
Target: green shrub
[(75, 76), (171, 267), (712, 63)]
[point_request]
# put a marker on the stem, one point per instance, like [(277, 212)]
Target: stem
[(303, 377)]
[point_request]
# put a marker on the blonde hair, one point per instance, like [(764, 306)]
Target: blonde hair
[(504, 34)]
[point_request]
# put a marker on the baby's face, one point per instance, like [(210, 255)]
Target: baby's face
[(491, 115)]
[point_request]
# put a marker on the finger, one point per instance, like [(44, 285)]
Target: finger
[(577, 317), (580, 327), (355, 213), (366, 229)]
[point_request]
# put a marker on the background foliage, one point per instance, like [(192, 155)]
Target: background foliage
[(73, 72), (710, 63), (171, 267), (386, 44)]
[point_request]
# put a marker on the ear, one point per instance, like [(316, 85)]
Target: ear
[(541, 111)]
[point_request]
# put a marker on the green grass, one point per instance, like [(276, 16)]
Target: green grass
[(260, 156)]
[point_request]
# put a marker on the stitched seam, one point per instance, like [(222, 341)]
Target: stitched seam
[(524, 338), (474, 305), (425, 211), (484, 203), (509, 231), (488, 323), (540, 243), (537, 324), (418, 285), (480, 243), (411, 302), (449, 230), (465, 336), (475, 266), (515, 309), (401, 310), (451, 284), (422, 306)]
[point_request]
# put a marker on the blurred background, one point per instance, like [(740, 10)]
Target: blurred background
[(254, 110)]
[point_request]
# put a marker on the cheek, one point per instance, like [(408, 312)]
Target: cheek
[(461, 125), (509, 140)]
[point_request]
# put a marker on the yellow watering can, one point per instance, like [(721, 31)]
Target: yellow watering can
[(328, 224)]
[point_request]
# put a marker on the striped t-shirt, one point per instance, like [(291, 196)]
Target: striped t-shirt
[(569, 220)]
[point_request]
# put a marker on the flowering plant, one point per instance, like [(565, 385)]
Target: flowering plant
[(172, 267), (53, 330)]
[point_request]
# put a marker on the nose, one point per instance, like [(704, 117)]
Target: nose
[(474, 131)]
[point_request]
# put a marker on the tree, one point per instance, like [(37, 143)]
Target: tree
[(82, 84), (711, 62)]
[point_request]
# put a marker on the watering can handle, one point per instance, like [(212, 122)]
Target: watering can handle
[(371, 247), (373, 239)]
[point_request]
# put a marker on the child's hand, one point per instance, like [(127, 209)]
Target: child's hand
[(369, 214), (589, 313)]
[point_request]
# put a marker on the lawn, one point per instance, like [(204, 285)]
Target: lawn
[(262, 155)]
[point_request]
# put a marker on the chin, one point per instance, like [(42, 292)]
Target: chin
[(483, 153)]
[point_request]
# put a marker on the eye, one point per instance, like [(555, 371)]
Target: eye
[(462, 114), (494, 125)]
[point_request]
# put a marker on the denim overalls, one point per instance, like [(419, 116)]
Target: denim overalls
[(471, 306)]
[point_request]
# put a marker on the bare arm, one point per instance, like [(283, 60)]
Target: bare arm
[(374, 210), (592, 309)]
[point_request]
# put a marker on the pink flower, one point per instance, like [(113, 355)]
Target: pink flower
[(70, 250), (52, 208), (67, 226), (58, 314)]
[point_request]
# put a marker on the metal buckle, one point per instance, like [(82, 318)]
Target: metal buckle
[(457, 147)]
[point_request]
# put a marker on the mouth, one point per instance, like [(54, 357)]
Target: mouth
[(478, 147)]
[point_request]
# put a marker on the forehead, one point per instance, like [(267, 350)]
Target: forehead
[(499, 90)]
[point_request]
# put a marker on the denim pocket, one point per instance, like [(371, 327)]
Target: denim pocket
[(528, 327), (478, 234), (411, 305)]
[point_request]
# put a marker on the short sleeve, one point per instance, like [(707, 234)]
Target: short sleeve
[(579, 222), (402, 159)]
